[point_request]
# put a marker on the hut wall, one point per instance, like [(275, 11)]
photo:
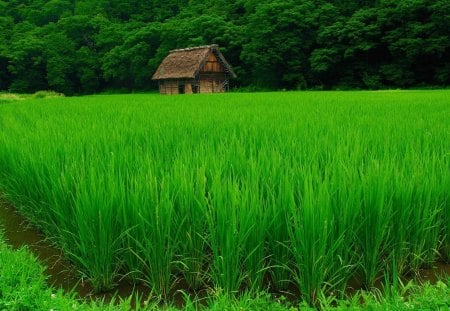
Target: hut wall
[(212, 83), (171, 87), (188, 88), (168, 87), (217, 86), (206, 86)]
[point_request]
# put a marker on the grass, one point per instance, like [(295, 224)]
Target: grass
[(236, 192)]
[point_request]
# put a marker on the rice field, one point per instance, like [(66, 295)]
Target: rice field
[(312, 191)]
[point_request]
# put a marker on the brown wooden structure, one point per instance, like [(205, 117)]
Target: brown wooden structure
[(201, 69)]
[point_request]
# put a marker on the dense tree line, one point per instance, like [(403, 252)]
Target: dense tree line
[(84, 46)]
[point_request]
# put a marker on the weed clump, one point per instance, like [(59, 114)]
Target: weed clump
[(47, 94)]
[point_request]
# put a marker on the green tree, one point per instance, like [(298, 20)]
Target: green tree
[(45, 12), (88, 71), (417, 35), (281, 35), (349, 51), (400, 44), (6, 25), (128, 65), (60, 63), (27, 62)]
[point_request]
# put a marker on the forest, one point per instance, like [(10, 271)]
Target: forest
[(85, 47)]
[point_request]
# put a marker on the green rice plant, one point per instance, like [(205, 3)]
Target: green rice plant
[(402, 202), (403, 225), (129, 218), (276, 188), (374, 217), (247, 171), (313, 243), (96, 240), (427, 226), (278, 241), (438, 180), (191, 209), (229, 231), (345, 204), (445, 231), (416, 216), (156, 226), (255, 216), (446, 225)]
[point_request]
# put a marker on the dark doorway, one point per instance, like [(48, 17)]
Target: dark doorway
[(181, 89)]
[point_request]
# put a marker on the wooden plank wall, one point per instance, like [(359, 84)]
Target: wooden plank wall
[(212, 65), (188, 88), (168, 87)]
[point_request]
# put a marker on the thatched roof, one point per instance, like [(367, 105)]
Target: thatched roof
[(186, 63)]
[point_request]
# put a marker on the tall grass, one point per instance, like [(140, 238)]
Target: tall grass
[(236, 192)]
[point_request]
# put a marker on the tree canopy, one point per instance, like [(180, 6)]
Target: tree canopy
[(84, 46)]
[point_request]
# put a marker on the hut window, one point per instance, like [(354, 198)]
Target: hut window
[(194, 88)]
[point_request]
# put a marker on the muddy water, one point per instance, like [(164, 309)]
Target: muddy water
[(438, 271), (60, 273), (18, 232)]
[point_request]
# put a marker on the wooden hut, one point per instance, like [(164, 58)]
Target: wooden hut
[(201, 69)]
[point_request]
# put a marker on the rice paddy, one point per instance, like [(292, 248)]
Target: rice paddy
[(311, 191)]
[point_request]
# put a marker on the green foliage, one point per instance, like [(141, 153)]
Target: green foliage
[(282, 33), (128, 65), (27, 61), (82, 46), (393, 43)]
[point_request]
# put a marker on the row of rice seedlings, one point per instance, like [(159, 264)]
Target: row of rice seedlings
[(445, 203), (191, 204), (258, 217), (156, 222), (442, 197), (96, 237), (278, 245), (418, 204), (228, 233), (374, 217), (311, 236)]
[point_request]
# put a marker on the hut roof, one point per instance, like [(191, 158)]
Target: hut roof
[(186, 63)]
